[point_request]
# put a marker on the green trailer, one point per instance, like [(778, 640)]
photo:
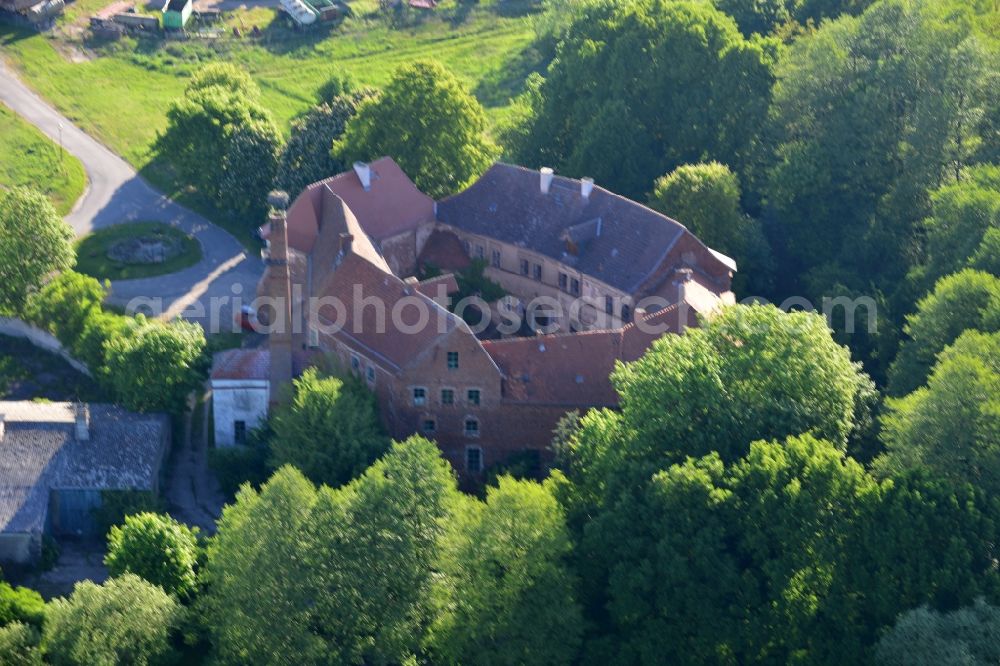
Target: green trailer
[(176, 14)]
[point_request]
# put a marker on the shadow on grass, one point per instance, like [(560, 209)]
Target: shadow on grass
[(507, 81)]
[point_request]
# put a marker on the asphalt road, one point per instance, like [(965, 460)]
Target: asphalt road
[(117, 194)]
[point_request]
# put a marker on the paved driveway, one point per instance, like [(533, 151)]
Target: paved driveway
[(117, 194)]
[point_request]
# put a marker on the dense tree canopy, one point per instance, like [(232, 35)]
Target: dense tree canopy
[(792, 555), (749, 373), (952, 425), (19, 645), (699, 91), (256, 605), (507, 591), (329, 430), (124, 621), (962, 214), (870, 113), (428, 123), (34, 242), (966, 300), (967, 636)]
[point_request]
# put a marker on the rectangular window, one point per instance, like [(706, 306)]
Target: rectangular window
[(524, 267), (609, 304), (371, 374), (430, 425), (355, 363), (574, 287), (473, 459), (240, 432), (453, 360), (447, 397), (473, 395), (496, 258), (480, 252), (538, 272), (313, 338), (563, 281), (626, 313), (419, 396), (472, 427)]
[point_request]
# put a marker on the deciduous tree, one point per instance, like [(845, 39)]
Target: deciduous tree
[(966, 300), (428, 123), (124, 621), (508, 593), (34, 242), (700, 92), (153, 366), (329, 430), (156, 548)]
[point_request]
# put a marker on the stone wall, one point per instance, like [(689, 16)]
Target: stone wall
[(17, 328)]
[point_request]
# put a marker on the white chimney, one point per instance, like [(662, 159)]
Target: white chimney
[(586, 187), (546, 180), (364, 175), (82, 422)]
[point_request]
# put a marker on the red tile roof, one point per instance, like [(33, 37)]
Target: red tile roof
[(242, 364), (393, 342), (571, 369), (391, 206)]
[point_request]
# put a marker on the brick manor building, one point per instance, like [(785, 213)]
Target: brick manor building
[(365, 234)]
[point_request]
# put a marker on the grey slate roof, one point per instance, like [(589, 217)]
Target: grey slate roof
[(507, 203), (39, 453)]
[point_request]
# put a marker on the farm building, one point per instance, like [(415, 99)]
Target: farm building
[(58, 459), (176, 14)]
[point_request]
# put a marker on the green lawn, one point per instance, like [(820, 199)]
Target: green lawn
[(121, 92), (28, 157), (92, 252), (121, 95)]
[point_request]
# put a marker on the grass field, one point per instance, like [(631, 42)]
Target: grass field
[(92, 252), (28, 157), (120, 92)]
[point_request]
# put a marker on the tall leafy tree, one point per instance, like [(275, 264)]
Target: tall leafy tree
[(256, 604), (220, 104), (372, 554), (307, 157), (657, 84), (952, 425), (153, 366), (249, 165), (507, 590), (34, 242), (966, 300), (962, 214), (329, 430), (65, 304), (748, 373), (428, 123), (124, 621), (706, 199), (156, 548)]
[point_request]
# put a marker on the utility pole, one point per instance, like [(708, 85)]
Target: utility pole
[(60, 146)]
